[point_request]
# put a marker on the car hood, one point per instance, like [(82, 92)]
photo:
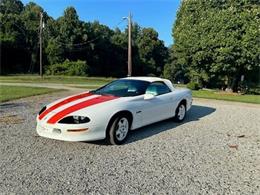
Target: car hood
[(80, 104)]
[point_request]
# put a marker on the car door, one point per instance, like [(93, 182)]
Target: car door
[(160, 106)]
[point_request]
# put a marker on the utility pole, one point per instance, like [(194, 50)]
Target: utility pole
[(130, 44), (129, 18), (40, 37)]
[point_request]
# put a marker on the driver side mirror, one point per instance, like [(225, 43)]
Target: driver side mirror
[(148, 96)]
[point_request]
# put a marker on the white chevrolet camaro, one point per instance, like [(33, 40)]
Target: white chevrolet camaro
[(113, 110)]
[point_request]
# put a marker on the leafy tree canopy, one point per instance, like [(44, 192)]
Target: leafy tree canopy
[(68, 39), (216, 42)]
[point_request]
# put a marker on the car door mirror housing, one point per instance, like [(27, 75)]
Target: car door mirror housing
[(148, 96)]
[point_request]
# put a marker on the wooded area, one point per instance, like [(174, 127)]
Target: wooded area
[(73, 47), (216, 44)]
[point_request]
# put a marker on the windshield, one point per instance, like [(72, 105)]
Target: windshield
[(123, 88)]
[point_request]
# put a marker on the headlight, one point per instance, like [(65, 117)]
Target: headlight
[(74, 120), (42, 110)]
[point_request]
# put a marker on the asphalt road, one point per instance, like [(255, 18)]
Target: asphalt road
[(215, 151)]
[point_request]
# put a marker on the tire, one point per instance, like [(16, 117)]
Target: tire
[(180, 112), (118, 130)]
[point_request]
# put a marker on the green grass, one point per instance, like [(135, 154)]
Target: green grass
[(95, 82), (15, 92), (207, 94), (55, 79), (212, 94), (86, 86)]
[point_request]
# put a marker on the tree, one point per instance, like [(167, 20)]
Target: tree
[(217, 41), (12, 36), (152, 52), (11, 7), (68, 39), (31, 19), (118, 57)]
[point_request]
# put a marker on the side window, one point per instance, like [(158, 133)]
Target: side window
[(157, 88)]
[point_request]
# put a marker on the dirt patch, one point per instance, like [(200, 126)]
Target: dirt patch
[(11, 119)]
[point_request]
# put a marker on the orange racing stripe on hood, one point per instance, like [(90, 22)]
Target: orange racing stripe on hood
[(58, 116), (63, 102)]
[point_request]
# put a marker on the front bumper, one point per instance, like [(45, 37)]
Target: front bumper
[(60, 132)]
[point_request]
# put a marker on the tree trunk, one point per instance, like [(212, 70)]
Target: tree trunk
[(235, 82)]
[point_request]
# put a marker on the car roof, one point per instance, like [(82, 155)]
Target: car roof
[(149, 79), (152, 79)]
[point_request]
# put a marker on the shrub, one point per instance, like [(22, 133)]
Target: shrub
[(247, 87), (68, 68), (193, 86)]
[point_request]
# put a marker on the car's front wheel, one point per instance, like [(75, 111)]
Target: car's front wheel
[(118, 131), (180, 112)]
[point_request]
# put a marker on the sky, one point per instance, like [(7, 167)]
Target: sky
[(158, 14)]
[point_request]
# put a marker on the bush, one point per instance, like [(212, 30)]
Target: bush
[(193, 85), (68, 68), (247, 87)]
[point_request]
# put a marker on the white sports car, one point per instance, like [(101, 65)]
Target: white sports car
[(114, 109)]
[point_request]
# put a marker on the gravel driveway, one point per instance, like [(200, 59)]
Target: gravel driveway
[(215, 151)]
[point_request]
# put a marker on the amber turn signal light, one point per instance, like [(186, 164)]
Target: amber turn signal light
[(77, 130)]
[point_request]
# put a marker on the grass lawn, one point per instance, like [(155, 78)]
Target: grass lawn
[(226, 96), (90, 87), (90, 83), (55, 79), (15, 92), (212, 94)]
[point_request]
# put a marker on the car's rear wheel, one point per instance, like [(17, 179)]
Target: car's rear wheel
[(118, 131), (180, 112)]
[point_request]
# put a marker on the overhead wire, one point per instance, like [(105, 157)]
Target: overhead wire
[(84, 43)]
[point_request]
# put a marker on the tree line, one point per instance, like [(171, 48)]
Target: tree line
[(72, 46), (216, 44)]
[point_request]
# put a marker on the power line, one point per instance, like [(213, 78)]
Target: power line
[(87, 42), (78, 44), (117, 26)]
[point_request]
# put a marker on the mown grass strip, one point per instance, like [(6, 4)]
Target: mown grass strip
[(95, 82), (8, 93), (255, 99), (55, 79)]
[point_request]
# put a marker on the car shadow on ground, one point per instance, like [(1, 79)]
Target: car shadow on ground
[(194, 114)]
